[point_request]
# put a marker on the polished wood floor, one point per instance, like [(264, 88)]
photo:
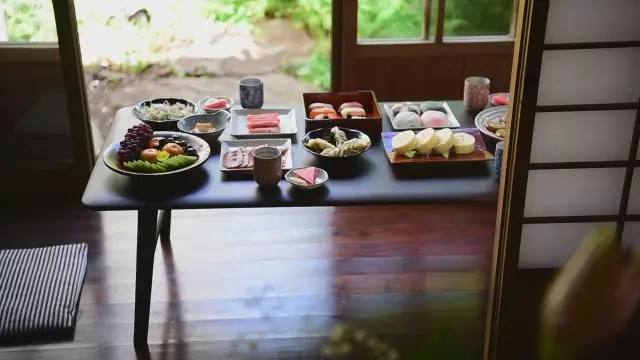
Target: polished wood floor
[(377, 282)]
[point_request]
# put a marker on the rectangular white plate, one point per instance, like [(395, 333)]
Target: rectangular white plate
[(227, 145), (288, 126), (453, 122)]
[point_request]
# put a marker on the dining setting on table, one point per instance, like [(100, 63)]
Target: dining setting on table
[(334, 149), (175, 136)]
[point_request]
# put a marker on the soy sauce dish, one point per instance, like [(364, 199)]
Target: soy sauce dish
[(307, 178)]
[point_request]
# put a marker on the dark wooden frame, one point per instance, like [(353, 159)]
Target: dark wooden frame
[(527, 62), (73, 75)]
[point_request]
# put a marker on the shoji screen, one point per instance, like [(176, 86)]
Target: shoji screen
[(585, 141)]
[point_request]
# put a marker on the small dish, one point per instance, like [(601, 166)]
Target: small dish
[(201, 104), (219, 120), (321, 177), (327, 135), (159, 125), (493, 102)]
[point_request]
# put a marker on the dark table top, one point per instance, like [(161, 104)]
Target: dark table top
[(370, 180)]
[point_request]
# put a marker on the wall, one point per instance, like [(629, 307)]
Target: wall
[(588, 97), (35, 121)]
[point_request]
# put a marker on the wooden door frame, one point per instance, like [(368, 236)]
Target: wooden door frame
[(73, 76), (527, 63)]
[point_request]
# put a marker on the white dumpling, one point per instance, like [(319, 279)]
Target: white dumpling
[(407, 119), (431, 118)]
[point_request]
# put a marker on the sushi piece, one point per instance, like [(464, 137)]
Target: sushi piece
[(352, 111), (352, 104), (320, 106), (433, 118), (322, 111), (328, 116), (407, 119)]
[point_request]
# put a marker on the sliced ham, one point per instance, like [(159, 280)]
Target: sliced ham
[(232, 159), (264, 130), (263, 124), (262, 117)]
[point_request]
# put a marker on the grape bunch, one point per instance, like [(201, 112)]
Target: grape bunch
[(134, 142)]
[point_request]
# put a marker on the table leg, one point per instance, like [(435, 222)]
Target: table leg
[(164, 226), (147, 240)]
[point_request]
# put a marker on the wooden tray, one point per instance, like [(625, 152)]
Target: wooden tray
[(371, 126), (479, 154)]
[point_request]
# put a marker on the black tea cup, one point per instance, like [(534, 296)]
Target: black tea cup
[(251, 93)]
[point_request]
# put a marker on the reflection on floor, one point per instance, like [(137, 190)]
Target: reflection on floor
[(275, 283)]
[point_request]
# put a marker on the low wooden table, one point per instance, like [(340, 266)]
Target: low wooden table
[(368, 181)]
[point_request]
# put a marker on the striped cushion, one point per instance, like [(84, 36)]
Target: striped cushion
[(40, 292)]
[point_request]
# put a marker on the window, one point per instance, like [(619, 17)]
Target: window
[(396, 19), (27, 21)]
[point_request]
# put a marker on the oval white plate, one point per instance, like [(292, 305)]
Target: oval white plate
[(110, 155)]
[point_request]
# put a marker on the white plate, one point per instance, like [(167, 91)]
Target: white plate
[(453, 122), (239, 129), (110, 154), (484, 115), (227, 145)]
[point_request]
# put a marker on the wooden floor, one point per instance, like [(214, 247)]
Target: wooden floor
[(276, 283)]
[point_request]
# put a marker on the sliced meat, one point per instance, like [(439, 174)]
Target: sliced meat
[(245, 157), (232, 159), (263, 124), (267, 116), (264, 130)]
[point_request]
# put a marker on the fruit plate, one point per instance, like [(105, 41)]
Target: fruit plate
[(452, 121), (479, 154), (231, 145), (488, 114), (110, 154), (239, 130)]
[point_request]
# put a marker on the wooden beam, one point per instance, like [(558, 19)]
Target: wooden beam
[(73, 75), (426, 18), (407, 48), (440, 21)]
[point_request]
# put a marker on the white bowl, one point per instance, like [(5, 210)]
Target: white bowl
[(321, 178)]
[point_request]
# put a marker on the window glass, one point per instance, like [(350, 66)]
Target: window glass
[(27, 21), (477, 17), (389, 19)]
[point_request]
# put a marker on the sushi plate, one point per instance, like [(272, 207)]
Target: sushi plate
[(239, 130), (452, 121), (231, 145), (478, 155)]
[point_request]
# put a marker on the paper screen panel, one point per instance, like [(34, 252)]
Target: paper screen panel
[(574, 192), (631, 235), (579, 136), (576, 21), (598, 76), (551, 245), (633, 207)]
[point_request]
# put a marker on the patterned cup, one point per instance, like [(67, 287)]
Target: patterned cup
[(251, 93), (267, 166), (476, 93)]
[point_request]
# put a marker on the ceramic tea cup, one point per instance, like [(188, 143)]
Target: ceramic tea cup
[(267, 166), (251, 93)]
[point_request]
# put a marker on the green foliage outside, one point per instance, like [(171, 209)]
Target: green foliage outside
[(32, 20)]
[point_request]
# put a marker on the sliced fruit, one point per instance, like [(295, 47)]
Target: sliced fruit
[(427, 139), (404, 142), (465, 143), (445, 142)]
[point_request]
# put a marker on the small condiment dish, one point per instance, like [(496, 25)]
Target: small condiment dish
[(321, 178), (219, 120), (202, 102)]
